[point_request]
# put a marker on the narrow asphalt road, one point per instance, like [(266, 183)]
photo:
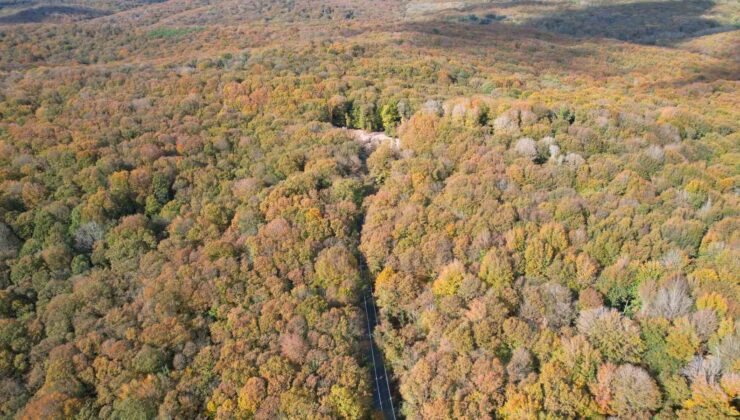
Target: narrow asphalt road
[(382, 396)]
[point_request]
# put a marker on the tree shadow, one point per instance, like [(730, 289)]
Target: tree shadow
[(525, 49), (649, 23), (51, 14), (516, 48)]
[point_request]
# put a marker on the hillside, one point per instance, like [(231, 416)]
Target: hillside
[(192, 219)]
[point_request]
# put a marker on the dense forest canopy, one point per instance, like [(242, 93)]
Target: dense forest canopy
[(189, 230)]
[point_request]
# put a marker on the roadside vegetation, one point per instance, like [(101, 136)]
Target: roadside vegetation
[(186, 228)]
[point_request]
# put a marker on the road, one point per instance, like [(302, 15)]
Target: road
[(382, 395)]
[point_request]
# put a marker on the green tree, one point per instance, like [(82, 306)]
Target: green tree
[(390, 117)]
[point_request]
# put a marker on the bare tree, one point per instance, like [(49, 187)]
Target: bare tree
[(87, 234), (671, 301), (706, 369), (635, 393), (705, 323), (526, 147), (727, 351), (520, 365), (549, 305)]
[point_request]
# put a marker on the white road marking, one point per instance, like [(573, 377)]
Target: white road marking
[(372, 353), (390, 395)]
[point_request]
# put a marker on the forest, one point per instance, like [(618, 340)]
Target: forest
[(189, 227)]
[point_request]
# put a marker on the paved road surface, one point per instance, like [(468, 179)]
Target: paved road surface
[(382, 396)]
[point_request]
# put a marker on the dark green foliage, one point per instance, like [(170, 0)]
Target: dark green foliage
[(164, 32)]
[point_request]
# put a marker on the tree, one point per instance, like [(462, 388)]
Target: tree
[(449, 280), (682, 341), (337, 274), (9, 242), (627, 391), (189, 239), (496, 270), (538, 256), (670, 301), (293, 347), (148, 360), (127, 242), (548, 305), (346, 403), (564, 378), (520, 365), (616, 337), (87, 235), (390, 117), (251, 394)]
